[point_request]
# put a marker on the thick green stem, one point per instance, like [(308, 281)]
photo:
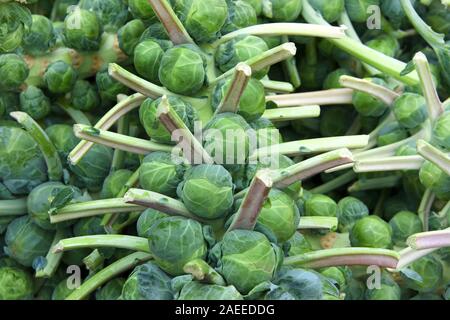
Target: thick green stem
[(389, 164), (330, 223), (409, 255), (51, 156), (425, 207), (273, 86), (14, 207), (336, 183), (433, 154), (108, 273), (290, 68), (324, 97), (430, 240), (292, 113), (53, 259), (103, 241), (94, 260), (76, 115), (203, 272), (381, 93), (123, 127), (375, 183)]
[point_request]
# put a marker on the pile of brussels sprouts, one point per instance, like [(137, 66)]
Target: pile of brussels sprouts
[(129, 168)]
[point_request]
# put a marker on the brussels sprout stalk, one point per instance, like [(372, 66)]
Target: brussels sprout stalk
[(433, 154), (118, 141), (381, 93), (230, 102), (425, 207), (430, 240), (203, 272), (375, 183), (324, 97), (253, 202), (344, 257), (110, 272), (93, 208), (292, 113), (336, 183), (389, 164), (14, 207), (53, 259), (330, 223), (76, 115), (52, 159), (94, 260), (103, 241), (409, 255), (192, 149), (277, 86), (123, 127), (290, 68)]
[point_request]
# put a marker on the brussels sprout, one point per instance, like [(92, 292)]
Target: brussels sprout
[(15, 20), (84, 96), (296, 245), (63, 138), (15, 284), (266, 132), (146, 221), (330, 10), (9, 101), (60, 77), (320, 205), (391, 133), (39, 202), (111, 290), (240, 15), (355, 289), (225, 138), (314, 74), (393, 10), (338, 275), (147, 282), (245, 259), (174, 241), (203, 20), (358, 10), (13, 71), (161, 172), (366, 104), (22, 166), (385, 44), (194, 290), (34, 102), (111, 13), (256, 4), (388, 290), (350, 210), (147, 59), (156, 130), (332, 79), (82, 30), (438, 17), (141, 9), (404, 224), (430, 271), (441, 131), (432, 177), (129, 35), (41, 36), (157, 32), (335, 121), (62, 290), (114, 183), (252, 103), (240, 49), (283, 10), (26, 241), (108, 87), (372, 232), (410, 110), (207, 191)]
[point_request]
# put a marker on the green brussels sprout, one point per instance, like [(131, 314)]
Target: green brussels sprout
[(147, 282), (355, 289), (283, 10), (62, 290), (372, 232), (438, 17), (26, 241), (114, 182), (108, 87), (60, 77), (155, 130), (350, 210), (358, 10), (404, 224), (194, 290), (430, 271), (252, 103), (147, 59), (330, 10), (314, 74), (41, 36), (84, 96), (391, 133), (338, 275), (94, 167), (9, 101), (266, 132), (161, 172), (410, 110), (39, 202), (388, 290), (207, 191), (393, 10), (203, 20), (240, 15), (226, 139), (63, 138), (441, 132), (240, 49), (174, 241), (82, 30), (432, 177), (366, 104), (321, 205), (15, 20), (15, 284), (34, 102), (22, 166), (245, 259), (141, 9), (111, 14), (146, 221), (157, 32), (385, 44), (129, 35), (335, 121), (111, 290), (332, 79), (13, 71), (182, 70), (297, 245)]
